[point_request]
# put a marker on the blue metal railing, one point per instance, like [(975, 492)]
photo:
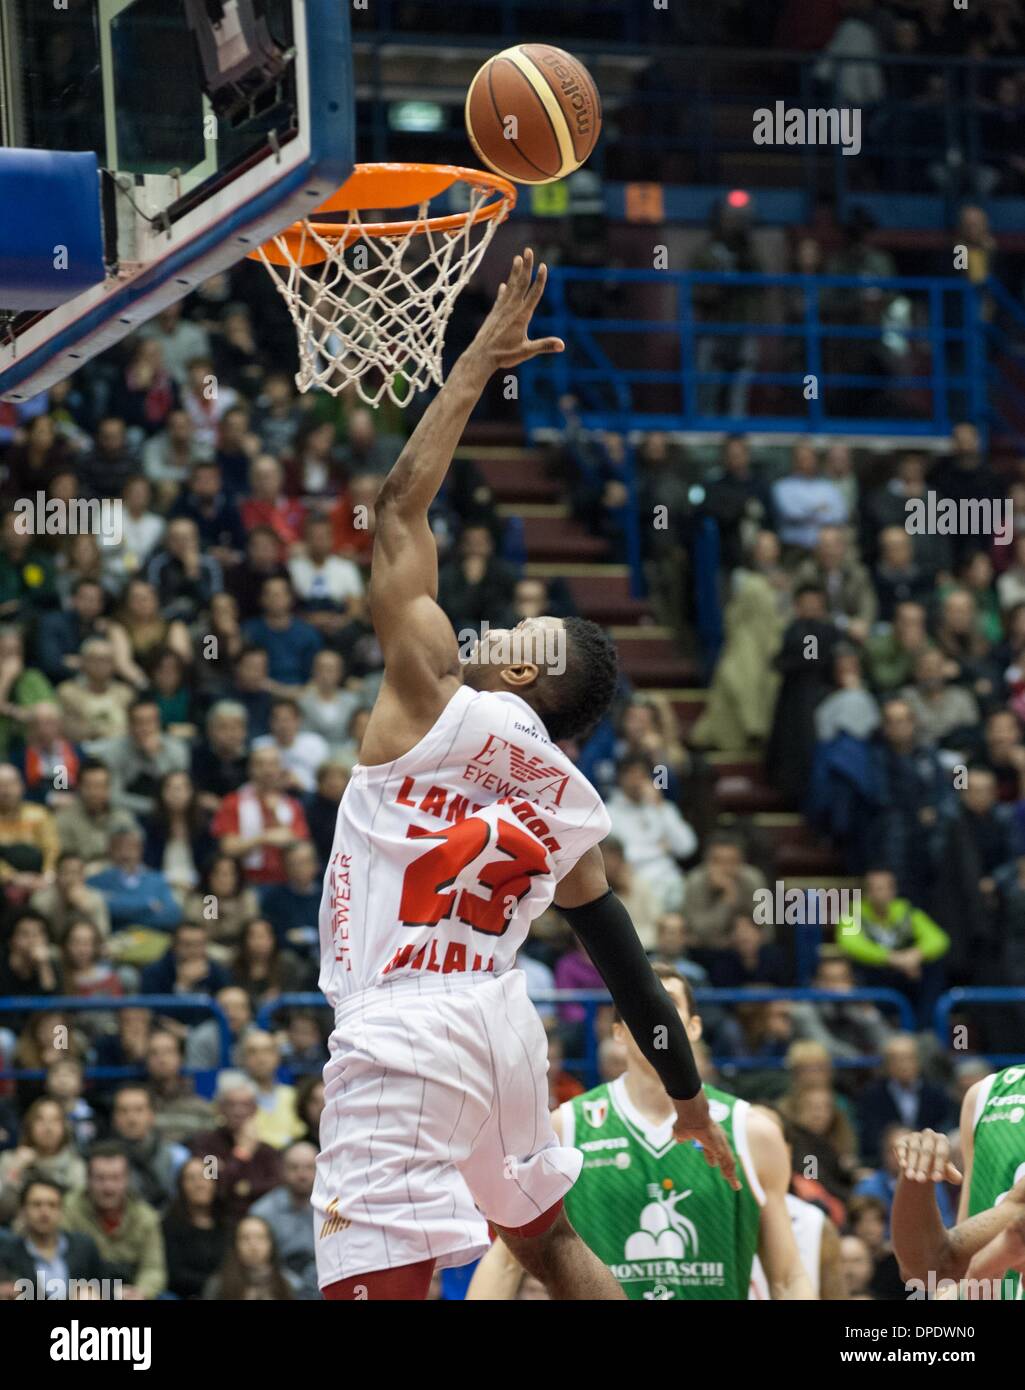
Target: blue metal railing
[(168, 1003), (590, 1000), (780, 363)]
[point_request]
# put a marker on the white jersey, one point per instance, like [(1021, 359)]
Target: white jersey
[(443, 858), (807, 1222)]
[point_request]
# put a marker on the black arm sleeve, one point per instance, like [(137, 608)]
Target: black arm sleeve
[(607, 934)]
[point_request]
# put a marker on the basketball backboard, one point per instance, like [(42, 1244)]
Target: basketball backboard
[(215, 123)]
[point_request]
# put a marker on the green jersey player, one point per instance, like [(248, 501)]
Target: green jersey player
[(651, 1208), (988, 1243)]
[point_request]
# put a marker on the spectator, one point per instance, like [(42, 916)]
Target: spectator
[(251, 689), (145, 393), (178, 842), (139, 760), (290, 643), (1004, 755), (322, 807), (206, 402), (22, 689), (181, 339), (125, 1228), (739, 502), (651, 830), (219, 761), (179, 1112), (264, 968), (247, 1168), (327, 585), (223, 903), (895, 945), (728, 247), (856, 1268), (186, 967), (153, 1162), (236, 448), (314, 466), (104, 472), (944, 714), (85, 827), (86, 971), (250, 1269), (170, 457), (204, 1047), (891, 655), (277, 1122), (258, 822), (978, 842), (887, 510), (47, 761), (721, 886), (850, 709), (899, 579), (65, 1082), (184, 578), (309, 1105), (127, 1046), (965, 477), (326, 707), (804, 502), (815, 1131), (845, 1030), (293, 907), (850, 599), (475, 584), (69, 899), (43, 1250), (222, 536), (94, 704), (140, 900), (745, 957), (882, 1184), (267, 505), (194, 1238), (301, 751), (289, 1216), (45, 1148), (28, 838), (26, 963), (279, 420), (62, 632), (262, 561), (899, 1096), (140, 632), (805, 663)]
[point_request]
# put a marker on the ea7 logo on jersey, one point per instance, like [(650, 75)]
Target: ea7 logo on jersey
[(596, 1112), (333, 1223), (529, 775)]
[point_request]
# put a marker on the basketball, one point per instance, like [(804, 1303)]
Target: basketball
[(533, 113)]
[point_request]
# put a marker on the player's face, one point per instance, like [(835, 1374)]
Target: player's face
[(635, 1059), (539, 642)]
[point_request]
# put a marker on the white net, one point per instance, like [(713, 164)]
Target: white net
[(373, 312)]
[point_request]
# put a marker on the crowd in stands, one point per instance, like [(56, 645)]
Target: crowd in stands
[(182, 700)]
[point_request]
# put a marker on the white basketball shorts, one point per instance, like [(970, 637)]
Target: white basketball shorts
[(435, 1118)]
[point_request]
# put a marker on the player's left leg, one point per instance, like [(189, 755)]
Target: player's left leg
[(408, 1283), (552, 1252)]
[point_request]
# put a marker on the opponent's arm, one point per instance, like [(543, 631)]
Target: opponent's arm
[(497, 1277), (603, 927), (421, 656), (921, 1242), (777, 1248)]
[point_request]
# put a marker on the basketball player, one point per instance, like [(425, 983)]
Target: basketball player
[(666, 1227), (461, 824), (988, 1241)]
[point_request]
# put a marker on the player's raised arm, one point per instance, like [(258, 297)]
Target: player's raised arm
[(603, 926), (419, 646)]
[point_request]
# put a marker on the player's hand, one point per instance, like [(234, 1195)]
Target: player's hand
[(502, 338), (925, 1157), (694, 1124), (1005, 1251)]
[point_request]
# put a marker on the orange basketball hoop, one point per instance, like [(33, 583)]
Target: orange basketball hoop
[(371, 299)]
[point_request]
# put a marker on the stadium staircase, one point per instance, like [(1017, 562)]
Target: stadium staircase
[(556, 545)]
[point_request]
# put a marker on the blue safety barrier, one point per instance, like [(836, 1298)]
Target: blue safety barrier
[(678, 368), (168, 1003), (957, 998)]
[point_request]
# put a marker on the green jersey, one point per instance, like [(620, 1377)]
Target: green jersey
[(998, 1161), (666, 1224)]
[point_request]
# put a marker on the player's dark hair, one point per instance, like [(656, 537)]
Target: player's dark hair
[(572, 703)]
